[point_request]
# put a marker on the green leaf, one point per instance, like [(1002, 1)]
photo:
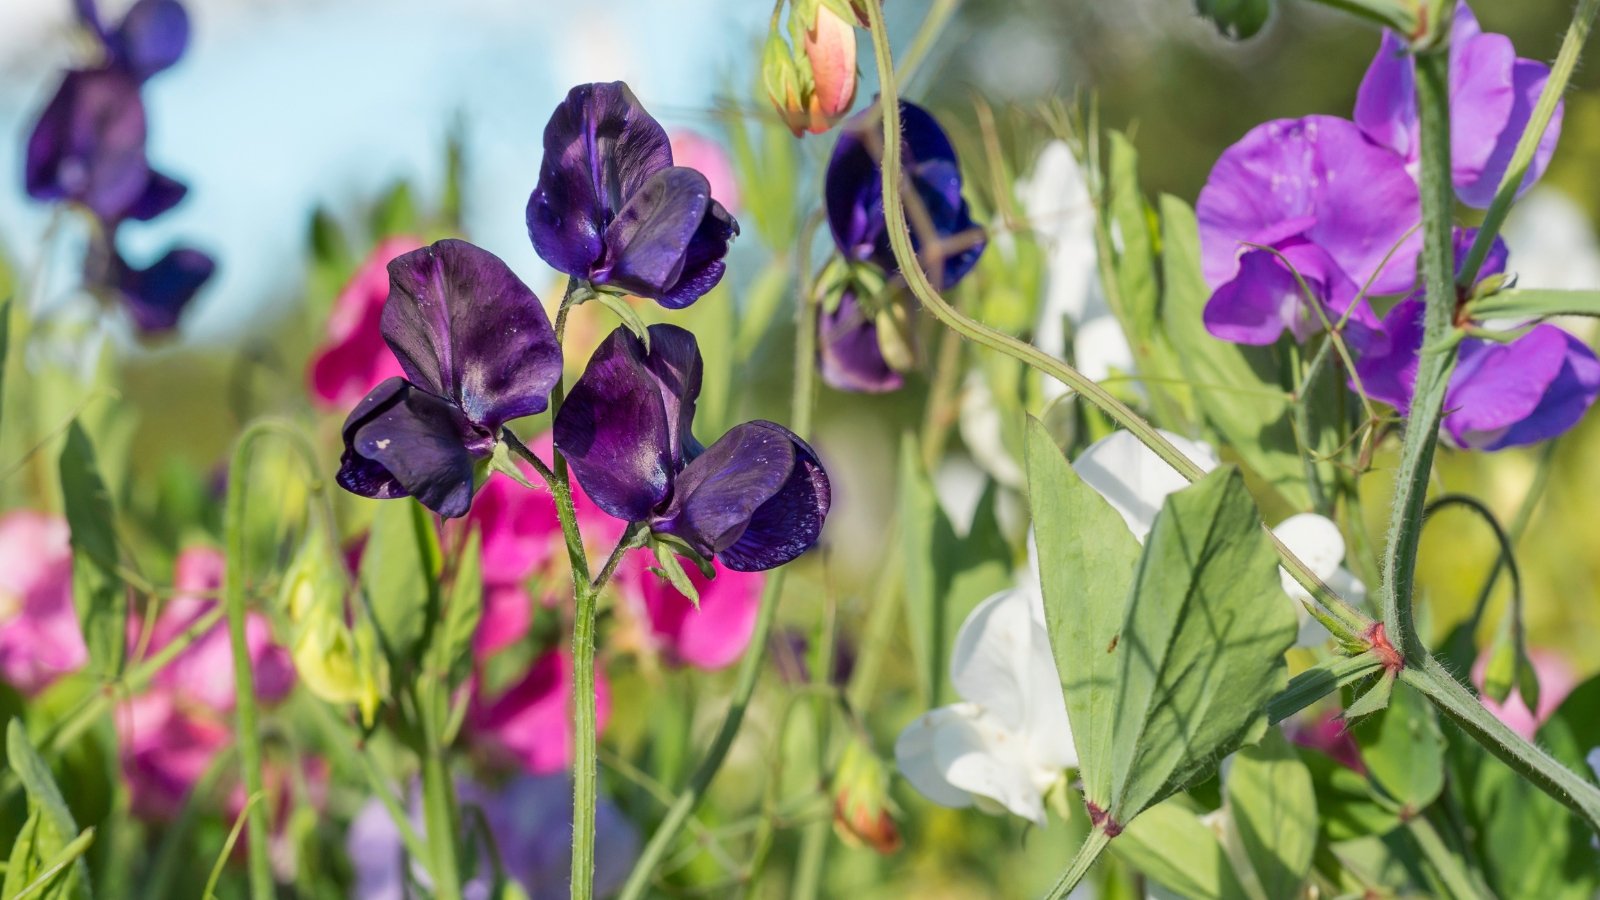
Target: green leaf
[(946, 575), (1133, 256), (1236, 386), (1533, 303), (1403, 749), (399, 574), (56, 827), (1171, 846), (627, 315), (1236, 19), (1272, 810), (505, 462), (1376, 698), (1201, 651), (670, 569), (1087, 558), (396, 213), (97, 590), (54, 876), (462, 611), (22, 862)]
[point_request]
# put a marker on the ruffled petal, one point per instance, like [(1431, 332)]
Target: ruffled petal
[(616, 431), (463, 326), (647, 242), (403, 441), (718, 493), (988, 664), (89, 144), (915, 756), (1500, 388), (703, 265), (790, 522), (1133, 479), (1528, 79), (156, 296)]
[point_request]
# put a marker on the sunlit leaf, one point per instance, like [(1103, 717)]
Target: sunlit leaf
[(1171, 846), (399, 574), (1272, 813), (56, 826), (1403, 749), (97, 590)]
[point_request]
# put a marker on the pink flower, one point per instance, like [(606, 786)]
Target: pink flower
[(1556, 681), (710, 637), (695, 150), (165, 750), (530, 723), (39, 636), (1329, 734), (354, 358), (203, 673)]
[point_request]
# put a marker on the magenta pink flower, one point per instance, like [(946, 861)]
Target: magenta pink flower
[(695, 150), (203, 673), (1556, 681), (530, 723), (39, 636), (354, 359), (165, 750), (710, 637)]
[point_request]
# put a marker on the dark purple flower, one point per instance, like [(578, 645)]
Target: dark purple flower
[(848, 350), (611, 208), (1338, 210), (477, 351), (151, 36), (935, 207), (88, 146), (1501, 394), (155, 296), (755, 499), (1492, 95)]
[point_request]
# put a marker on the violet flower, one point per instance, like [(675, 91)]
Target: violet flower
[(612, 209), (1329, 204), (1528, 390), (755, 499), (848, 353), (477, 350), (1492, 95)]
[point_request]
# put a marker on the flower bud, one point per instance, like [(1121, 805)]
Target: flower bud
[(830, 46), (861, 810), (782, 76), (813, 85), (338, 662)]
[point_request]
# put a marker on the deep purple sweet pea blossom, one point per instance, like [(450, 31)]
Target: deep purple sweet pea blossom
[(1501, 394), (854, 194), (754, 499), (611, 208), (848, 352), (477, 350), (1492, 95), (1332, 207)]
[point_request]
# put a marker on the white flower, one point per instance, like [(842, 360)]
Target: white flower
[(1008, 741), (1555, 246), (1133, 479), (1318, 543)]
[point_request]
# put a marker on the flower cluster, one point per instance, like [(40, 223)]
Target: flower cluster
[(88, 149), (1303, 221)]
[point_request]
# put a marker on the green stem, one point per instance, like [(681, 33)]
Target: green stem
[(1319, 681), (1560, 73), (440, 821), (906, 257), (1445, 863), (1092, 847), (233, 602), (1437, 357), (1536, 766)]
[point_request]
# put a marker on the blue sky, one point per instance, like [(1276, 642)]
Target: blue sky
[(284, 105)]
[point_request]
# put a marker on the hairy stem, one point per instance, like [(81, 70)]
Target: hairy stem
[(1092, 847)]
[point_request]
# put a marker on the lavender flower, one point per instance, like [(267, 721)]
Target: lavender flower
[(477, 351), (1501, 395), (1326, 204), (611, 208), (755, 499), (848, 352), (1492, 95)]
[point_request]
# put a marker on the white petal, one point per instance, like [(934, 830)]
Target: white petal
[(959, 485), (1133, 479), (978, 754), (1100, 348), (979, 422), (1318, 543), (1555, 244), (1049, 733), (914, 755), (989, 663)]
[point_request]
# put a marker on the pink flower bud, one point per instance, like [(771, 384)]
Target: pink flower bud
[(830, 45)]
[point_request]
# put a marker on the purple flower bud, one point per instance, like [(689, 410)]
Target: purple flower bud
[(947, 240), (1501, 394), (477, 350), (848, 351), (1492, 95), (1332, 207), (611, 208), (755, 499)]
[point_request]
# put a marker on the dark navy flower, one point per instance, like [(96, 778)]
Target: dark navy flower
[(754, 499), (1501, 394), (1492, 95), (1329, 205), (947, 240), (477, 350), (850, 356), (611, 208)]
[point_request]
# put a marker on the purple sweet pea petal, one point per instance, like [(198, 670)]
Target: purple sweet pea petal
[(1528, 79), (160, 194), (1565, 400), (152, 36), (702, 261), (716, 494), (89, 144), (848, 352), (854, 195), (616, 431), (1387, 365), (1319, 175), (600, 146), (463, 326), (790, 523), (1386, 104), (1494, 386), (674, 361), (403, 441), (646, 242), (156, 296)]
